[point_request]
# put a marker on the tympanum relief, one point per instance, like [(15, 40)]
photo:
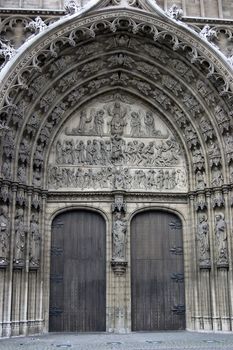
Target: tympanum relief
[(117, 144)]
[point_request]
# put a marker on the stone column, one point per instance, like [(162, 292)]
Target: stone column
[(194, 279), (213, 275), (6, 331), (119, 262)]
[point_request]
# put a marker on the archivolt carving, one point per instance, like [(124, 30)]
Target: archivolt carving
[(122, 61)]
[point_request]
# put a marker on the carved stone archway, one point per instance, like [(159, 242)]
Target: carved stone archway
[(107, 53)]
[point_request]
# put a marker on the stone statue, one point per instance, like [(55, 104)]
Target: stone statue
[(35, 242), (83, 121), (119, 237), (221, 240), (149, 124), (20, 239), (4, 236), (135, 124), (59, 156), (118, 121), (217, 179), (117, 154), (99, 123), (203, 241), (6, 169), (200, 180)]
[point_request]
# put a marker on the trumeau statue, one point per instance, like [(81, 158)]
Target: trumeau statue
[(119, 237), (112, 144)]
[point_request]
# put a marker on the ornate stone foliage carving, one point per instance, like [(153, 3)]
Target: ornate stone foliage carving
[(201, 203), (208, 33), (116, 145), (20, 240), (221, 241), (218, 200), (175, 12), (37, 25), (203, 242), (6, 53), (21, 198), (72, 6), (35, 243), (4, 236)]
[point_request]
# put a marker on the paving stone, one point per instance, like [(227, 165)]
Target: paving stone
[(133, 341)]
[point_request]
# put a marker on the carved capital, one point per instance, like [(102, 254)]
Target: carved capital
[(119, 267)]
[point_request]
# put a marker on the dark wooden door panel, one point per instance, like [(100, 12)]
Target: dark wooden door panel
[(78, 273), (157, 269)]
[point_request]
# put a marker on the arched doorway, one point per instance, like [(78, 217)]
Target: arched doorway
[(157, 269), (78, 272)]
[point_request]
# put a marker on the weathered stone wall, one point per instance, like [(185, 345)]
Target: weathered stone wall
[(197, 8)]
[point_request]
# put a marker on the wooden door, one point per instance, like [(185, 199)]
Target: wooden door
[(78, 273), (157, 269)]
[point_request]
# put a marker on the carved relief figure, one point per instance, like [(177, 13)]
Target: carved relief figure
[(35, 242), (149, 124), (20, 239), (200, 180), (83, 122), (4, 235), (118, 121), (119, 237), (217, 178), (6, 169), (221, 239), (229, 142), (98, 123), (135, 124), (203, 241)]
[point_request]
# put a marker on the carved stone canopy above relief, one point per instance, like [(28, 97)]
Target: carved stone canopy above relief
[(117, 143)]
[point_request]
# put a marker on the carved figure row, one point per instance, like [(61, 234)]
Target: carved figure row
[(108, 177), (220, 241), (113, 120), (21, 231), (117, 151)]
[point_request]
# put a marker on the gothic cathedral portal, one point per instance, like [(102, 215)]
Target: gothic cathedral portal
[(116, 174)]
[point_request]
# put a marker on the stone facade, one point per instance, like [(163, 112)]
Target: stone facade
[(197, 8), (122, 106)]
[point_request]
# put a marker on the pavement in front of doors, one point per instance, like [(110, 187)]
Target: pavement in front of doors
[(133, 341)]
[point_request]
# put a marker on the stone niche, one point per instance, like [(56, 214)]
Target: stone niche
[(116, 142)]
